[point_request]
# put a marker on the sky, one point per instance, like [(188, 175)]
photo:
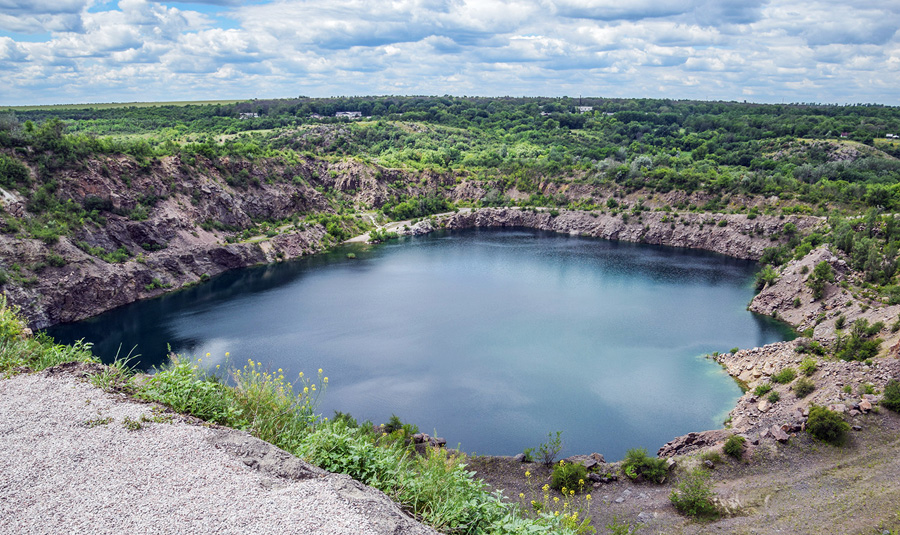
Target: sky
[(90, 51)]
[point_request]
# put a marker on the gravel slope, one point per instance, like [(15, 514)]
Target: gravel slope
[(61, 474)]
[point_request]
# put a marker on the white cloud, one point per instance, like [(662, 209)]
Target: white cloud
[(727, 49)]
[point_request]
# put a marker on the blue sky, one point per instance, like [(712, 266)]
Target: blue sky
[(77, 51)]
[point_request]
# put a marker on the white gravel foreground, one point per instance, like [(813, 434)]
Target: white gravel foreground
[(59, 474)]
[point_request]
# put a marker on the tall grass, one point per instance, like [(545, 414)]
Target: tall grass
[(20, 352)]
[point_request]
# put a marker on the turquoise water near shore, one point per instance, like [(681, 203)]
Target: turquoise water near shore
[(489, 338)]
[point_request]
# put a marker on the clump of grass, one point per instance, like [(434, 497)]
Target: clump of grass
[(785, 376), (734, 446), (762, 390), (693, 496), (568, 476), (803, 387)]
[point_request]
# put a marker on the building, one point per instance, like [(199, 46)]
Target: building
[(349, 114), (249, 116), (584, 109)]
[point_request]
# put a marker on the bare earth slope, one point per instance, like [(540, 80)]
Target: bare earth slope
[(70, 465)]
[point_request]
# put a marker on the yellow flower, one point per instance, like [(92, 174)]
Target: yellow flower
[(325, 379), (545, 488), (227, 353), (207, 354), (301, 374), (527, 473), (588, 497), (571, 493), (555, 513), (280, 370), (313, 388), (555, 499), (305, 390), (320, 370), (521, 495)]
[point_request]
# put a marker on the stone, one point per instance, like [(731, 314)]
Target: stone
[(588, 461), (620, 500), (763, 406), (857, 428), (709, 464), (778, 434), (520, 458), (838, 407), (645, 517), (865, 405), (854, 412)]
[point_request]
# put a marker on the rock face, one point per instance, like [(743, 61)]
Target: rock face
[(731, 234)]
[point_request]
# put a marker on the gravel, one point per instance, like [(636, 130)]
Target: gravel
[(68, 464)]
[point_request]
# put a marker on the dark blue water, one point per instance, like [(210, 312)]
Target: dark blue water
[(490, 338)]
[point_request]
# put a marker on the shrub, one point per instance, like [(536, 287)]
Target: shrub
[(734, 446), (840, 322), (803, 387), (808, 367), (766, 276), (827, 425), (774, 397), (694, 496), (762, 390), (548, 451), (785, 376), (568, 475), (821, 274), (638, 464), (891, 399)]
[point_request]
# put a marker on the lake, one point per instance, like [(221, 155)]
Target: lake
[(489, 338)]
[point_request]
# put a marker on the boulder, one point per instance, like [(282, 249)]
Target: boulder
[(779, 434)]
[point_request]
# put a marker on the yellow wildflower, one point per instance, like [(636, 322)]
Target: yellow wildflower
[(320, 370), (527, 473)]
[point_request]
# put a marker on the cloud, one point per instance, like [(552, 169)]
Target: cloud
[(772, 49)]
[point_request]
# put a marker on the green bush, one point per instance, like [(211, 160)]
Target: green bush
[(785, 376), (638, 464), (762, 390), (808, 366), (891, 399), (548, 451), (734, 446), (827, 425), (570, 476), (693, 496), (803, 387), (774, 397)]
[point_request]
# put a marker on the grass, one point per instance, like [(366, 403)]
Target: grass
[(19, 352)]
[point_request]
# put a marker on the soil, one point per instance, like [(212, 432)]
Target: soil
[(802, 487)]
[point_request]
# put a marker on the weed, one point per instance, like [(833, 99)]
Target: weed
[(762, 390), (131, 424), (94, 422), (693, 496), (568, 475), (548, 451), (774, 397)]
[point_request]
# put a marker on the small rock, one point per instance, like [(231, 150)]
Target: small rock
[(620, 499), (520, 458), (857, 428), (709, 464), (645, 517), (763, 406), (865, 405), (854, 412)]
